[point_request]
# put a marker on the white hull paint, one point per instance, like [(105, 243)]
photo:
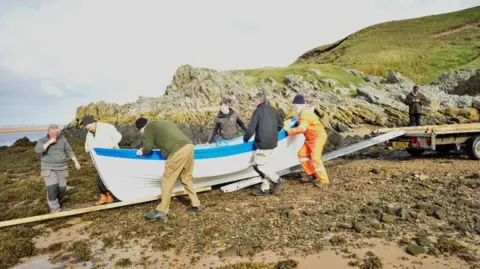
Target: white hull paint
[(132, 179)]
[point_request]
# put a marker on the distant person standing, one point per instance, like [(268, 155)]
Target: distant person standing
[(54, 150), (225, 123), (265, 124), (415, 100), (101, 135)]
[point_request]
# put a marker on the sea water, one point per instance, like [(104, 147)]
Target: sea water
[(10, 138)]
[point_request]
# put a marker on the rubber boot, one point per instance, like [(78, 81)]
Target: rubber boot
[(110, 198), (103, 200), (306, 178)]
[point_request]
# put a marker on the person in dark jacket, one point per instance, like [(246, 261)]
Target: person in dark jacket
[(225, 124), (265, 123), (415, 100)]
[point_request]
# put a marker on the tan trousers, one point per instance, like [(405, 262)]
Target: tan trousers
[(179, 164), (260, 159)]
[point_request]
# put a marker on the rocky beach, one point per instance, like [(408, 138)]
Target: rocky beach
[(382, 209)]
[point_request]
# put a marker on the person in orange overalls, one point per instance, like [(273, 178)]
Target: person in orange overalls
[(310, 155)]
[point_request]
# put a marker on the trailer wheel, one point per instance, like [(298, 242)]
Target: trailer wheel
[(415, 152), (473, 148)]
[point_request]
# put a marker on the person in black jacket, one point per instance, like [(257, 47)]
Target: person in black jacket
[(265, 123)]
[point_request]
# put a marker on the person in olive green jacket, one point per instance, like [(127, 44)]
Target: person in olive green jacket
[(178, 149), (415, 100)]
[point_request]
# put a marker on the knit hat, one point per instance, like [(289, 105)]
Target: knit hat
[(87, 120), (140, 123), (299, 99)]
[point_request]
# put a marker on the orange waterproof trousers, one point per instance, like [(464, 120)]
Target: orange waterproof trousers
[(310, 157)]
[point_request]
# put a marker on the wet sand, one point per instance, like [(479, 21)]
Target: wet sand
[(141, 255)]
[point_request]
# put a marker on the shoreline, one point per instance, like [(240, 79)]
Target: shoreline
[(32, 129)]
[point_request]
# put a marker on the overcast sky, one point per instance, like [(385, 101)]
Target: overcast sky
[(57, 55)]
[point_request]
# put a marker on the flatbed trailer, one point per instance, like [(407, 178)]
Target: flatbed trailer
[(441, 138)]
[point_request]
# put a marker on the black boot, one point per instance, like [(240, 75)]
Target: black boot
[(260, 192)]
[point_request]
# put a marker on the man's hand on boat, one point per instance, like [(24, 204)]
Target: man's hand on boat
[(140, 152)]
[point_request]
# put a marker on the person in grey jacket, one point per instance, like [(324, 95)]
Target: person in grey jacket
[(225, 124), (54, 150)]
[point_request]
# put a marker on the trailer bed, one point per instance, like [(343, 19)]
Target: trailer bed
[(443, 138)]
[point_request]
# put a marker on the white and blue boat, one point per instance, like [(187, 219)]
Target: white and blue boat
[(131, 178)]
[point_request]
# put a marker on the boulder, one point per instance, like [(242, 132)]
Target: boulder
[(380, 97), (23, 142), (395, 77), (464, 81)]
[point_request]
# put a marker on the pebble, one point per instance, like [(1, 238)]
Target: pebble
[(402, 213), (423, 241), (423, 206), (244, 251), (359, 227), (463, 202), (229, 252), (462, 226), (337, 240), (440, 214), (415, 250), (345, 225), (182, 223), (388, 218), (255, 243)]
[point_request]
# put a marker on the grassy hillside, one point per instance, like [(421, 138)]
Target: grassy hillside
[(328, 71), (421, 48)]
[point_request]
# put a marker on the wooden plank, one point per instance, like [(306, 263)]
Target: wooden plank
[(79, 211), (327, 157), (434, 128)]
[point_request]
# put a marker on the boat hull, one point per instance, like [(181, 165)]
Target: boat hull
[(130, 177)]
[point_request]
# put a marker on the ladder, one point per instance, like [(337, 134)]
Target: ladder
[(327, 157)]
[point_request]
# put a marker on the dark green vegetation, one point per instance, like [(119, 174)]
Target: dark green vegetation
[(420, 48)]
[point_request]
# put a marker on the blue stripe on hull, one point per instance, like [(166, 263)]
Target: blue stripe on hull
[(208, 153)]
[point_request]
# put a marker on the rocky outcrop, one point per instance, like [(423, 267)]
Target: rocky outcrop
[(465, 81), (192, 100)]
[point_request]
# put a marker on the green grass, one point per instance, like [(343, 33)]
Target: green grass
[(278, 74), (408, 46), (475, 63)]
